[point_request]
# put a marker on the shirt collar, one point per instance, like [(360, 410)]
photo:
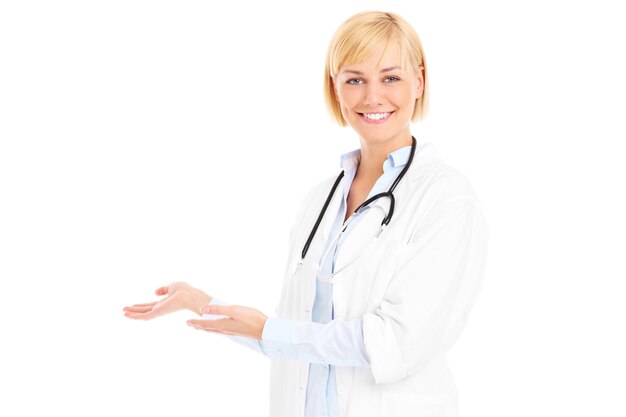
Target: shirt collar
[(350, 161), (398, 158)]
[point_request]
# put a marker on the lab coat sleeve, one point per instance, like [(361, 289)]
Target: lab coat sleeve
[(425, 305), (338, 342)]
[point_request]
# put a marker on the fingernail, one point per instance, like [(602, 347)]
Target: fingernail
[(205, 309)]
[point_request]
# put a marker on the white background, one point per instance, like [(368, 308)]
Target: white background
[(143, 142)]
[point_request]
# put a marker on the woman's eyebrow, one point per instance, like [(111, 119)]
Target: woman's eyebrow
[(381, 71)]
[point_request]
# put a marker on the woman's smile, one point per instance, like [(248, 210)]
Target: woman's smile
[(375, 118)]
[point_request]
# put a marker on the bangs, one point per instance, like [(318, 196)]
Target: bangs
[(363, 42)]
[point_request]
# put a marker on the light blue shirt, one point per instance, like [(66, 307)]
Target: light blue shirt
[(325, 342)]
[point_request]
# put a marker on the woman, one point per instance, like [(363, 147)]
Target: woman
[(371, 301)]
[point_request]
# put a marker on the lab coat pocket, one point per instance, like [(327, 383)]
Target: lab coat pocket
[(408, 405)]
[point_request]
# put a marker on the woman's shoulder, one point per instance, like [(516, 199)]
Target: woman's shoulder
[(433, 176), (322, 186), (318, 190)]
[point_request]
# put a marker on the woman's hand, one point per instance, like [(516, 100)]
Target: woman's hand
[(241, 321), (179, 296)]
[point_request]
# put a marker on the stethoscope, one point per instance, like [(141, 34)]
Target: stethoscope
[(363, 207)]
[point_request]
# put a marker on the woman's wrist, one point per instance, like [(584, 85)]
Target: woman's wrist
[(195, 299)]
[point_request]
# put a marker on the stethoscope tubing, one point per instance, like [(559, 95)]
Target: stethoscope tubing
[(388, 193)]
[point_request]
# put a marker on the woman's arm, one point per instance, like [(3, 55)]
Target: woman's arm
[(339, 342), (422, 313)]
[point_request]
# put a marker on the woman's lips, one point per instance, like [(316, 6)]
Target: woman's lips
[(375, 118)]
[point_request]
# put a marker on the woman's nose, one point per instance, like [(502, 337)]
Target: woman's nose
[(373, 94)]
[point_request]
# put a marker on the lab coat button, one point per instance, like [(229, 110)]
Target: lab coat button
[(301, 388)]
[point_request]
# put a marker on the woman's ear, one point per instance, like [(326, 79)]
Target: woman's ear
[(420, 81)]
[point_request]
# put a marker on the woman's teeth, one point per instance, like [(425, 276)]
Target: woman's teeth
[(375, 116)]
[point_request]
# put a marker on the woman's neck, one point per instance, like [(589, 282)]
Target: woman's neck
[(373, 157)]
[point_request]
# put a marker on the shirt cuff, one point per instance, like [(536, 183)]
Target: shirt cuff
[(278, 330)]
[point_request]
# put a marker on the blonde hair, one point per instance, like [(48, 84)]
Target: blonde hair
[(357, 38)]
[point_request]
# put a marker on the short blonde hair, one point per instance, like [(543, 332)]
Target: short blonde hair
[(357, 38)]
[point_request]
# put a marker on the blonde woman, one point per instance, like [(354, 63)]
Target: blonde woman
[(385, 259)]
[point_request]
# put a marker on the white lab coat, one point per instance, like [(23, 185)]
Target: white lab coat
[(413, 287)]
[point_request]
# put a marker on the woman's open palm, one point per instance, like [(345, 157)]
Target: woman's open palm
[(179, 296)]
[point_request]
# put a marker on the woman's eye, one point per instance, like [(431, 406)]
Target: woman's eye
[(354, 81), (392, 79)]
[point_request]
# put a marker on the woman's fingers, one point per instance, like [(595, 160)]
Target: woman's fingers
[(215, 326), (140, 316), (140, 308), (145, 304), (147, 314), (148, 311)]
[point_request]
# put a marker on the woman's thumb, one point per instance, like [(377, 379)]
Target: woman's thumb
[(162, 290), (214, 309)]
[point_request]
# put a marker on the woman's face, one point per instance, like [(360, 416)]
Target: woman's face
[(377, 101)]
